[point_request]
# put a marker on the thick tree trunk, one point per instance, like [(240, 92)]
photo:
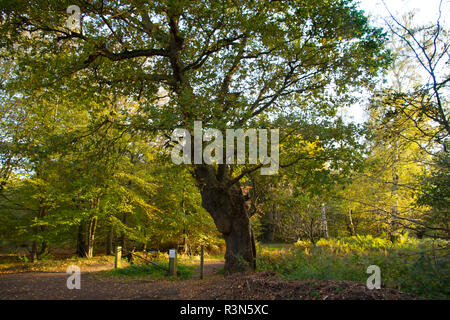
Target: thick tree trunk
[(227, 206), (240, 255)]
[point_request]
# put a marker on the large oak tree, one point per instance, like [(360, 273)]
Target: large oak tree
[(231, 64)]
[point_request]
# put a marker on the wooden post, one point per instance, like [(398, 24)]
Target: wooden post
[(202, 260), (173, 262), (118, 257)]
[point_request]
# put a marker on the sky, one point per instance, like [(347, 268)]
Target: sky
[(426, 12)]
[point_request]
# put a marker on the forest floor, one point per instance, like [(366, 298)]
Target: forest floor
[(264, 285)]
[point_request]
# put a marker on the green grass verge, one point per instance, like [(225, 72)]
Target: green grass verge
[(150, 271)]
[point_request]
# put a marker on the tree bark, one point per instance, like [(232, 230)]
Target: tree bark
[(123, 236), (82, 247), (226, 204), (311, 231), (86, 237), (44, 248), (91, 236), (269, 225), (109, 240), (324, 222), (352, 226), (34, 251)]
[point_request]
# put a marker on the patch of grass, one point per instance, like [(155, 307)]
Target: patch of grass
[(276, 246), (420, 267), (214, 257), (49, 264), (151, 271)]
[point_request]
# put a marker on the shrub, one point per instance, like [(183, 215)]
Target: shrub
[(412, 265)]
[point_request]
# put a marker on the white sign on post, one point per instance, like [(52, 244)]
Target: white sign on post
[(172, 253)]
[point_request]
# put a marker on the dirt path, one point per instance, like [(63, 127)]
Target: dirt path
[(262, 286), (212, 269), (52, 285), (95, 286)]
